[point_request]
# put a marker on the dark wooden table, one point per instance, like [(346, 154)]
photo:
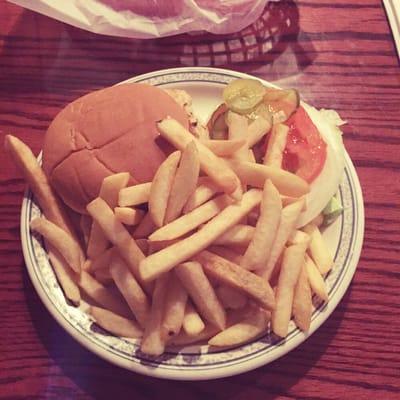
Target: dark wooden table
[(340, 54)]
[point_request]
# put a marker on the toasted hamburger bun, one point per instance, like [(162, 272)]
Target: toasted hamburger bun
[(104, 132)]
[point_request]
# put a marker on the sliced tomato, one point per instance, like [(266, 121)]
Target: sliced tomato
[(305, 151)]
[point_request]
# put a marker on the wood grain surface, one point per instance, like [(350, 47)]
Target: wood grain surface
[(340, 54)]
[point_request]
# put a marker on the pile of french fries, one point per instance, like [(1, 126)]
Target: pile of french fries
[(206, 252)]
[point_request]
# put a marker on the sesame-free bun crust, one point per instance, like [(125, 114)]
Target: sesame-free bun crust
[(104, 132)]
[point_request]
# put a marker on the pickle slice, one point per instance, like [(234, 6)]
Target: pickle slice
[(243, 95), (281, 103)]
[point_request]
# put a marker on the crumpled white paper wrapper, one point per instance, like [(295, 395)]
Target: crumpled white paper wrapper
[(146, 19)]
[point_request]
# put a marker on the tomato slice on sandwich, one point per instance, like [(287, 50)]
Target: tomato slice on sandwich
[(305, 151)]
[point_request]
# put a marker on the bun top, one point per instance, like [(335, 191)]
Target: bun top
[(104, 132)]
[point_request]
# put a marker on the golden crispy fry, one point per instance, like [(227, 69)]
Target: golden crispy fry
[(257, 130), (175, 304), (276, 144), (62, 241), (204, 191), (103, 276), (256, 174), (237, 126), (145, 228), (318, 249), (109, 190), (261, 243), (38, 183), (184, 183), (231, 298), (225, 148), (153, 342), (128, 216), (249, 328), (192, 220), (239, 234), (65, 276), (238, 278), (298, 237), (134, 195), (130, 289), (114, 323), (102, 261), (101, 295), (292, 263), (184, 339), (226, 252), (201, 292), (192, 322), (286, 200), (289, 216), (117, 234), (161, 188), (302, 301), (317, 283), (168, 258), (213, 166)]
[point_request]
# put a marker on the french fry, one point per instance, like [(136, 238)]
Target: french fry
[(184, 183), (239, 234), (117, 234), (62, 241), (257, 130), (231, 298), (226, 252), (65, 276), (237, 127), (109, 190), (289, 216), (213, 166), (114, 323), (184, 339), (192, 220), (166, 259), (249, 328), (315, 279), (201, 292), (256, 174), (128, 216), (192, 322), (297, 237), (103, 276), (145, 228), (175, 304), (161, 188), (260, 246), (238, 278), (292, 263), (276, 144), (134, 195), (153, 342), (101, 295), (225, 148), (130, 289), (286, 200), (204, 191), (302, 301), (318, 249), (38, 183), (102, 261)]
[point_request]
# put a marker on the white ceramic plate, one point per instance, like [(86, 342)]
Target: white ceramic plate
[(345, 238)]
